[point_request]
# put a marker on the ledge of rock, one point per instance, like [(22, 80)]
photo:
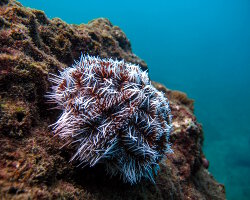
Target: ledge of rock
[(32, 163)]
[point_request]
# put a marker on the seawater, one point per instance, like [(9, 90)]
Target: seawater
[(201, 47)]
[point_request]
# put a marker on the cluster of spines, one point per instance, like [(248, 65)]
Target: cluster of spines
[(113, 114)]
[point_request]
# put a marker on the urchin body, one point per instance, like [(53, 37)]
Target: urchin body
[(113, 115)]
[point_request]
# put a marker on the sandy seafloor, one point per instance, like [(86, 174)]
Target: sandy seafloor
[(201, 47)]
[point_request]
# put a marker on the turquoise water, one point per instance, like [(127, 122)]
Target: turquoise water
[(201, 47)]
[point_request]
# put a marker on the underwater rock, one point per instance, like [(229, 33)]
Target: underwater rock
[(32, 163)]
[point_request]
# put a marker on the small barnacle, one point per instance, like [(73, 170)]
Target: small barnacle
[(113, 115)]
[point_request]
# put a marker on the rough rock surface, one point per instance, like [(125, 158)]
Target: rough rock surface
[(32, 163)]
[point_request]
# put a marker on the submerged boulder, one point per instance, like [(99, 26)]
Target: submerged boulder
[(32, 163)]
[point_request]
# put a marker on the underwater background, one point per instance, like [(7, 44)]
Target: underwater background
[(201, 47)]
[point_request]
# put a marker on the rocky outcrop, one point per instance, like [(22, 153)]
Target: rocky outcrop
[(32, 163)]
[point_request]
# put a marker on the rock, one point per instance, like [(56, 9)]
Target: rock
[(32, 163)]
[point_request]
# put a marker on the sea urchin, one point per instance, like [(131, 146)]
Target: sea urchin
[(113, 115)]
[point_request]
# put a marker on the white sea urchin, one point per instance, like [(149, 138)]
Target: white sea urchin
[(113, 115)]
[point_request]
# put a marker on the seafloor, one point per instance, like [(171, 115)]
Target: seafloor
[(32, 163)]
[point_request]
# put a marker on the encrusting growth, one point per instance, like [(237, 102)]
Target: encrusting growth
[(113, 115)]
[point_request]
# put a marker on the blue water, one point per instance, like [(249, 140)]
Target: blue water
[(201, 47)]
